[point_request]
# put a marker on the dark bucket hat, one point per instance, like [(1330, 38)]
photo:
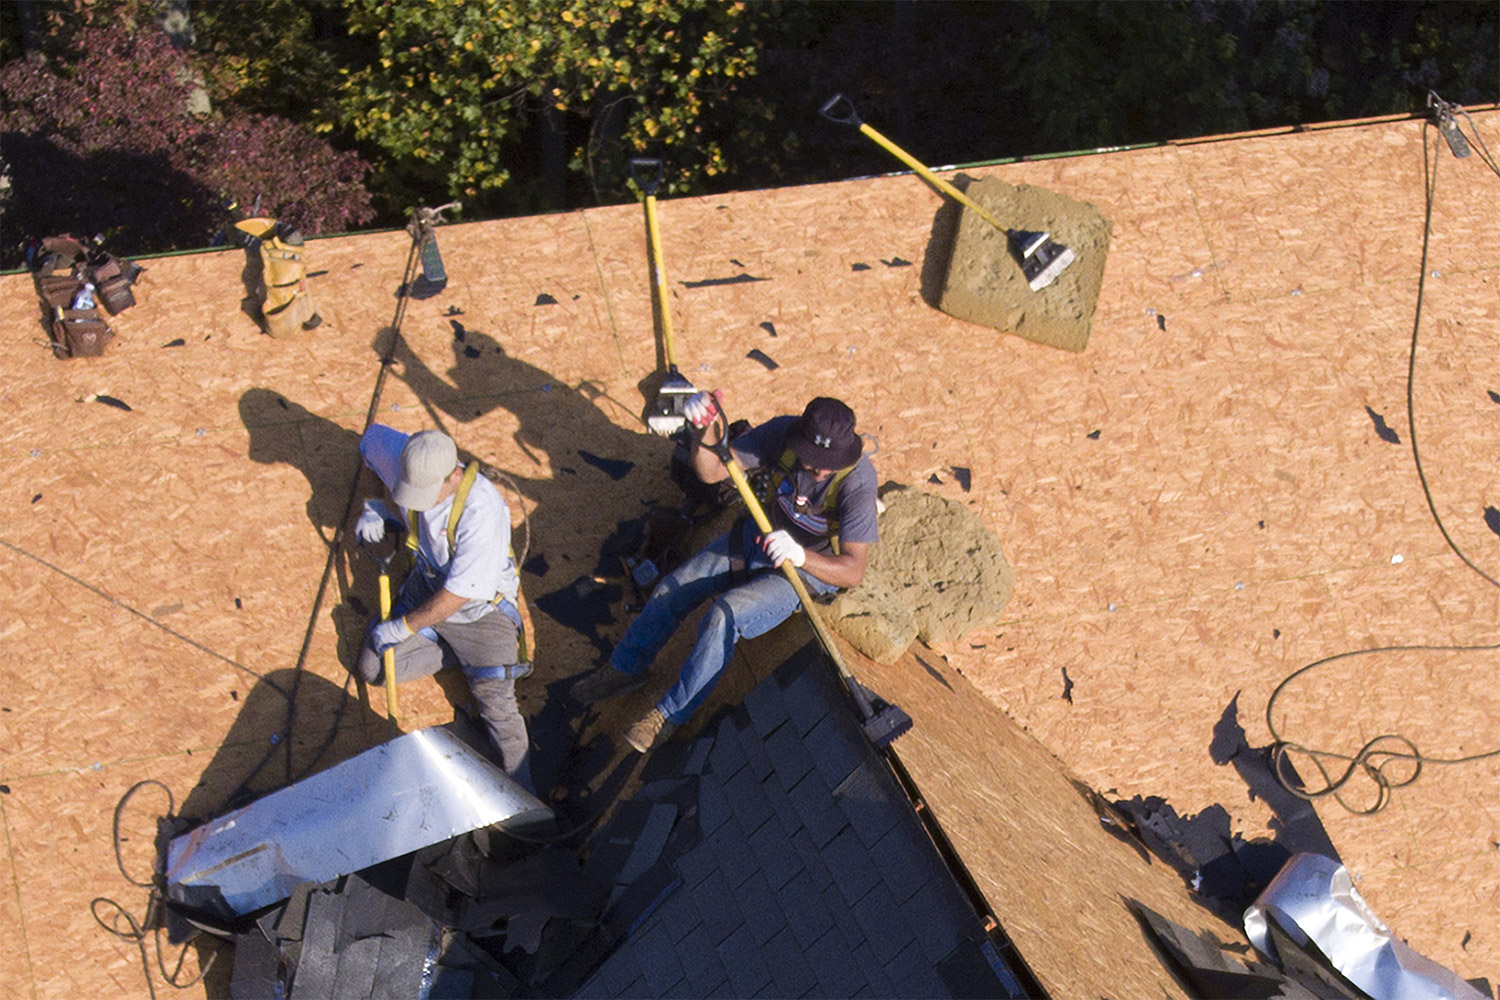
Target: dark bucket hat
[(824, 437)]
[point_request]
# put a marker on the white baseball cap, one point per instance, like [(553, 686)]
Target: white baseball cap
[(428, 458)]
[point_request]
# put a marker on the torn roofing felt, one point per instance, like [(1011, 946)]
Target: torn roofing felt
[(775, 853)]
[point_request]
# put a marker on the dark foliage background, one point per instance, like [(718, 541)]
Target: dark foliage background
[(143, 119)]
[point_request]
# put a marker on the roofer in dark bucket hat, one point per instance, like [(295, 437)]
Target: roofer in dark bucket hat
[(820, 500)]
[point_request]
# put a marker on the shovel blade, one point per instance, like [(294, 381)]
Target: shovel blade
[(666, 418), (1042, 258)]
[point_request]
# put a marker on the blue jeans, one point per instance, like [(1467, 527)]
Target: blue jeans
[(745, 611)]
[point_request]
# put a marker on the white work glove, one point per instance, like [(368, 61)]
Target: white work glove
[(391, 632), (701, 409), (781, 548), (370, 528)]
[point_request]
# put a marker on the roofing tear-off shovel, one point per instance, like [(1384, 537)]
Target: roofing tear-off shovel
[(1041, 258), (882, 722), (388, 657), (665, 417)]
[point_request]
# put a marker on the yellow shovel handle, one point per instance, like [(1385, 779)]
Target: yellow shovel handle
[(752, 503), (932, 178), (388, 658), (659, 282)]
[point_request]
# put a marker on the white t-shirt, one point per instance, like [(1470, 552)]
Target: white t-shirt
[(482, 566)]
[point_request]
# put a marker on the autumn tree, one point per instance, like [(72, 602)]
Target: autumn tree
[(471, 98), (111, 134)]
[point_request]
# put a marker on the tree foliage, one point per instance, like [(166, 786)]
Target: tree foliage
[(111, 136), (466, 96)]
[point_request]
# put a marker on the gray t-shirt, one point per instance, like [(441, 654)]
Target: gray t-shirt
[(798, 504)]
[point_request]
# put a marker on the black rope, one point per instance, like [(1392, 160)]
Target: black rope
[(1379, 756), (137, 930)]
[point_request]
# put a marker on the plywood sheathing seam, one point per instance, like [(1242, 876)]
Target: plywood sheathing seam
[(1255, 312)]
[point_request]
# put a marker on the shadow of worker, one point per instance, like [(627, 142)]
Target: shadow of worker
[(587, 472)]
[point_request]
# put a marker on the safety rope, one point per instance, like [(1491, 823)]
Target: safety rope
[(1390, 761), (136, 930)]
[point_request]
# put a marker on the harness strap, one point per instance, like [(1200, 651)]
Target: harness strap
[(471, 472), (784, 469)]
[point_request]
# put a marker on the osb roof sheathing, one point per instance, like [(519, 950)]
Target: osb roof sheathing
[(1237, 515)]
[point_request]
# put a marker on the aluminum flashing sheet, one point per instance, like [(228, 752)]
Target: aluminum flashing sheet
[(397, 798)]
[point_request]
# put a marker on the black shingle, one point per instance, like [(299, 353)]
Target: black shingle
[(805, 697), (791, 973), (868, 802), (700, 962), (698, 757), (833, 751), (748, 800), (850, 865), (761, 908), (648, 843), (781, 805), (755, 752), (834, 964), (975, 969), (695, 865), (879, 984), (812, 861), (940, 916), (732, 848), (716, 907), (713, 804), (814, 803), (727, 756), (680, 990), (905, 863), (913, 975), (657, 957), (789, 755), (885, 928), (766, 708), (773, 850), (679, 914), (740, 954), (845, 926), (636, 988), (806, 911), (618, 971)]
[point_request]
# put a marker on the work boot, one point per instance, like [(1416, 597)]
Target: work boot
[(604, 681), (653, 728)]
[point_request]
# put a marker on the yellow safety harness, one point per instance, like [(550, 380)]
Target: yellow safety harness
[(471, 472), (784, 469)]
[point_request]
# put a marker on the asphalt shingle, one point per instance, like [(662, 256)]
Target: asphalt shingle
[(761, 908), (716, 907), (700, 961), (850, 865), (766, 708), (778, 859), (884, 926), (742, 960), (748, 800), (789, 755), (814, 803), (833, 751), (727, 755), (833, 962), (903, 863), (868, 803), (732, 848)]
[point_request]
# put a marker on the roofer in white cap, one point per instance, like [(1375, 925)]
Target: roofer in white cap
[(457, 607)]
